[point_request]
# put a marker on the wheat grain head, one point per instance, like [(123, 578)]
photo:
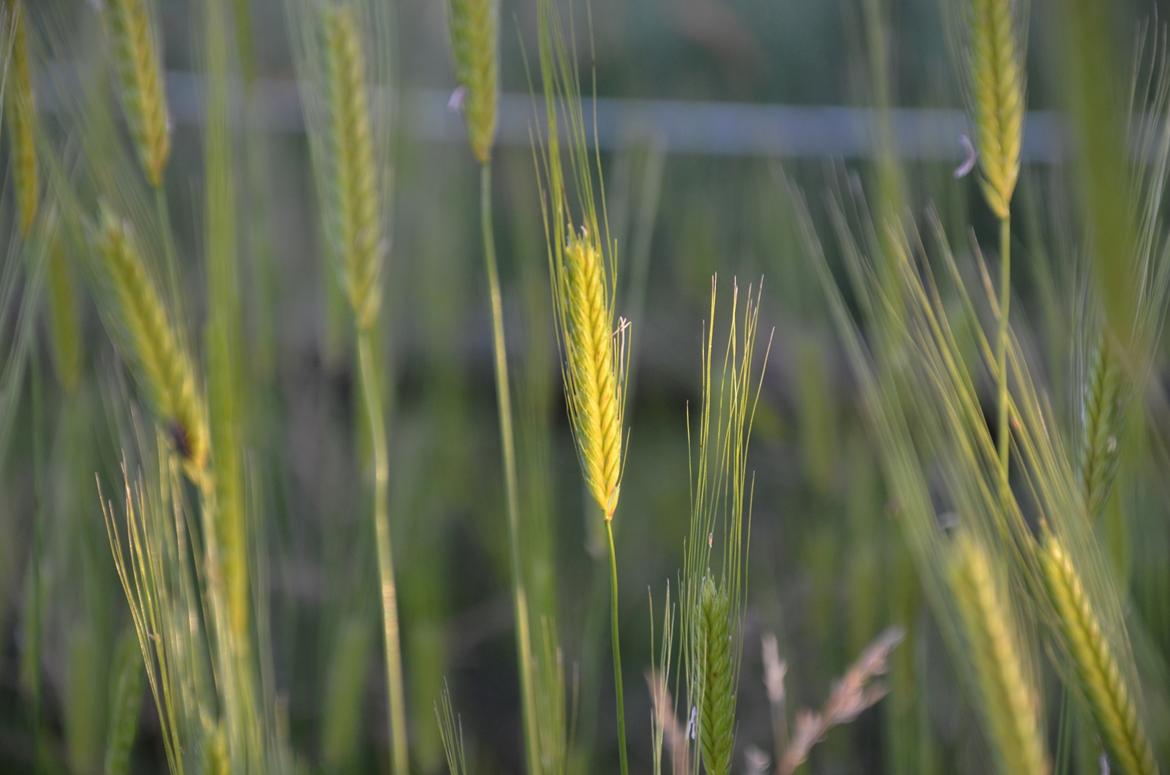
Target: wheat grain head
[(164, 368), (474, 27), (1097, 670), (1008, 698), (139, 71), (355, 230), (997, 93)]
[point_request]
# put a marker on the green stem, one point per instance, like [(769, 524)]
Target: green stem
[(170, 252), (1005, 297), (617, 649), (372, 393), (508, 446)]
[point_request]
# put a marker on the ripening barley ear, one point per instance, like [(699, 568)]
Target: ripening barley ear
[(354, 206), (594, 368), (1098, 673), (1008, 699), (140, 80), (164, 369), (997, 96), (474, 31), (21, 112)]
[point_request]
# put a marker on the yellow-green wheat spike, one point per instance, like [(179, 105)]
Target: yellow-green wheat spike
[(592, 380), (998, 96), (22, 117), (1110, 700), (165, 369), (1008, 697), (474, 29), (139, 71), (356, 230)]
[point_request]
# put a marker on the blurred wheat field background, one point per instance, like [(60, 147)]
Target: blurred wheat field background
[(575, 387)]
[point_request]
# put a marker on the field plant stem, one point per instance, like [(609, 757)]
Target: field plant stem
[(617, 648), (170, 252), (371, 390), (1005, 297), (508, 448)]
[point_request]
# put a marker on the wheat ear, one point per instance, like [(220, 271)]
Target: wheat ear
[(474, 29), (165, 369), (22, 117), (356, 230), (1097, 670), (592, 371), (998, 96), (1100, 414), (1008, 698), (717, 687), (139, 71)]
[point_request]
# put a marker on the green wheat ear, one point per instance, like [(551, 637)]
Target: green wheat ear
[(997, 86), (1097, 671), (717, 687), (1009, 701), (1101, 413), (474, 30), (163, 367), (139, 71), (22, 116), (355, 228)]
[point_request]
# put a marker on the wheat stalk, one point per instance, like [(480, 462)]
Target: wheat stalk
[(474, 30), (355, 228), (64, 325), (593, 369), (165, 369), (1008, 698), (139, 71), (1097, 670), (22, 116)]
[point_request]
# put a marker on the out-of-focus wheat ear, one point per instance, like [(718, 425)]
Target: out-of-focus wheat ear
[(1008, 698), (474, 27), (164, 368), (997, 92), (717, 687), (356, 231), (22, 116), (592, 370), (139, 70), (64, 326), (1098, 673), (1100, 414)]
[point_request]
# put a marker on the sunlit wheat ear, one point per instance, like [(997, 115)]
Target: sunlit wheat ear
[(22, 116), (474, 28), (355, 229), (140, 82), (1008, 698), (997, 93), (1097, 670), (717, 678), (164, 368), (594, 367)]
